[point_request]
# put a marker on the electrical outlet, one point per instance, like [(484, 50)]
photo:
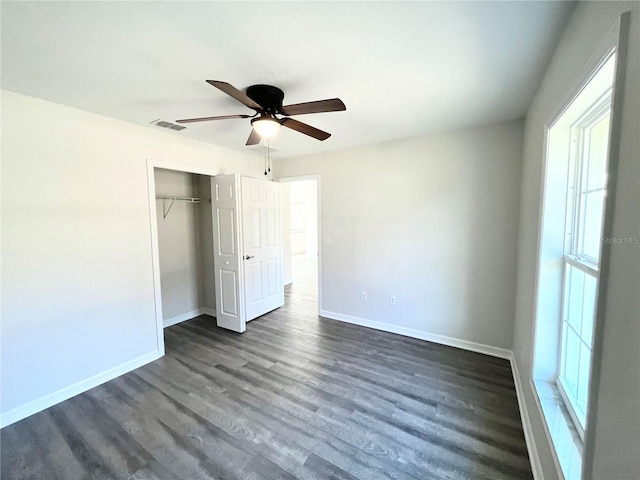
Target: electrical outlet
[(393, 300), (363, 296)]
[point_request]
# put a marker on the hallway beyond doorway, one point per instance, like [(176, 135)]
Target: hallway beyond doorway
[(303, 292)]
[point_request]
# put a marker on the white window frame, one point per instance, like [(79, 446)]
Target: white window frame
[(575, 213), (574, 238)]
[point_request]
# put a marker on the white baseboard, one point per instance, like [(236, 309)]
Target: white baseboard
[(421, 335), (167, 322), (188, 316), (534, 458), (65, 393)]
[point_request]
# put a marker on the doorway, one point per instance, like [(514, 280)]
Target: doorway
[(301, 234)]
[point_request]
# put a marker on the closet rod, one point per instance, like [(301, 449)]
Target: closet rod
[(173, 198)]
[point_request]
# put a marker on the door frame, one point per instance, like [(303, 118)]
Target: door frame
[(317, 178), (155, 250)]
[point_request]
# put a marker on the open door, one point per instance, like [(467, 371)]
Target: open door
[(247, 253), (227, 253), (262, 247)]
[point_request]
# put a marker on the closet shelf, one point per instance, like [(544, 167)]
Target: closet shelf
[(166, 210)]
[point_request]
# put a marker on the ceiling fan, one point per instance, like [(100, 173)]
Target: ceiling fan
[(266, 100)]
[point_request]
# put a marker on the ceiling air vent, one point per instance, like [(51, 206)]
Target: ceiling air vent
[(169, 125)]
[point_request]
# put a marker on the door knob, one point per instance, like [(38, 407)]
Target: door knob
[(247, 257)]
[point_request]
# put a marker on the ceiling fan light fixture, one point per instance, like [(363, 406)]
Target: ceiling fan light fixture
[(266, 126)]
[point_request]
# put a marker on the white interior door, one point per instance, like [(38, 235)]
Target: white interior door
[(262, 248), (225, 207)]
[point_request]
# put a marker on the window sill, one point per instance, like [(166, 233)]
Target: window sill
[(566, 442)]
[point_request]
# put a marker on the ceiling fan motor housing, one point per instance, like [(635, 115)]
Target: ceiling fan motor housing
[(268, 96)]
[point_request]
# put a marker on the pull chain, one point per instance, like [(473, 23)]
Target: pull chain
[(266, 158)]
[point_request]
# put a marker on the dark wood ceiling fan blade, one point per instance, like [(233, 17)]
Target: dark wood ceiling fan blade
[(206, 119), (304, 128), (235, 93), (254, 137), (319, 106)]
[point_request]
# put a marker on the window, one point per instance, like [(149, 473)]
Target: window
[(588, 137), (574, 195)]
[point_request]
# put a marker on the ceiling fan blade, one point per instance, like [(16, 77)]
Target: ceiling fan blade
[(330, 105), (235, 93), (304, 128), (206, 119), (254, 137)]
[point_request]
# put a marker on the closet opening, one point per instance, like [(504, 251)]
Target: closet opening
[(185, 245)]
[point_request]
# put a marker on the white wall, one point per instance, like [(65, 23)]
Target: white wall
[(77, 285), (432, 220), (617, 429)]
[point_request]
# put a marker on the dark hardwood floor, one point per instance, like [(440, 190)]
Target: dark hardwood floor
[(295, 396)]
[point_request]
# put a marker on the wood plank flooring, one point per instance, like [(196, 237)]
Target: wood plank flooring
[(295, 396)]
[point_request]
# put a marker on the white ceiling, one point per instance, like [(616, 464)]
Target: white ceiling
[(401, 68)]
